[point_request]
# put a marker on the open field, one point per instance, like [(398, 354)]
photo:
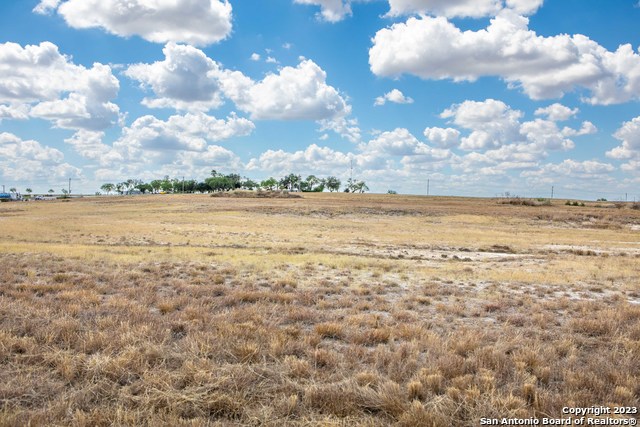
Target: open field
[(331, 309)]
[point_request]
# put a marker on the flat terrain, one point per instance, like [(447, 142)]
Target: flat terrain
[(330, 309)]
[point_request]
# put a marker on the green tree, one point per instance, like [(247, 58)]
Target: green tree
[(202, 187), (269, 184), (312, 183), (51, 191), (176, 185), (332, 183), (13, 190), (156, 185), (108, 187), (219, 183), (249, 184), (166, 185), (290, 182), (144, 188), (354, 186), (28, 190), (130, 184), (359, 187), (235, 180), (190, 185)]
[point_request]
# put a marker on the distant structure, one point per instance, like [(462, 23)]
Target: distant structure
[(5, 197)]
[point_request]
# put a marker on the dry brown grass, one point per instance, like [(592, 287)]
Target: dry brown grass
[(326, 310)]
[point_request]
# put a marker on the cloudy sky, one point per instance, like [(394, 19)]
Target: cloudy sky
[(479, 97)]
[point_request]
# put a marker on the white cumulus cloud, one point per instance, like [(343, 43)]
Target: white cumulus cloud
[(345, 127), (197, 22), (46, 6), (89, 145), (185, 80), (337, 10), (14, 112), (492, 123), (189, 80), (40, 81), (399, 142), (629, 135), (331, 10), (571, 170), (28, 160), (462, 8), (295, 93), (189, 132), (314, 159), (557, 112), (395, 96), (380, 152), (499, 141), (443, 137), (201, 163), (546, 135), (544, 67)]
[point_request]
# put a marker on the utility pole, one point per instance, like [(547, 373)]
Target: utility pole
[(625, 197), (183, 185), (552, 191), (69, 186)]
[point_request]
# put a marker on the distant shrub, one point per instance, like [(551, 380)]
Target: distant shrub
[(519, 201), (243, 194)]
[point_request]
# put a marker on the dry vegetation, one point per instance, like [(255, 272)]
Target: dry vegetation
[(331, 309)]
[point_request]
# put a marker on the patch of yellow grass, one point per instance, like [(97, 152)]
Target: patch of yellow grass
[(334, 309)]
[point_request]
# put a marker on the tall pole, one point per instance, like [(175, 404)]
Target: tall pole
[(427, 187), (552, 191), (69, 186), (183, 184)]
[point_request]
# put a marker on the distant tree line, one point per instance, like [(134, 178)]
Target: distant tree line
[(221, 182)]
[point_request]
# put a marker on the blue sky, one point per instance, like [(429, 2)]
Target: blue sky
[(480, 97)]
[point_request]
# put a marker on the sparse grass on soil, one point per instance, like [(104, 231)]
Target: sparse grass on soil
[(330, 309), (257, 194)]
